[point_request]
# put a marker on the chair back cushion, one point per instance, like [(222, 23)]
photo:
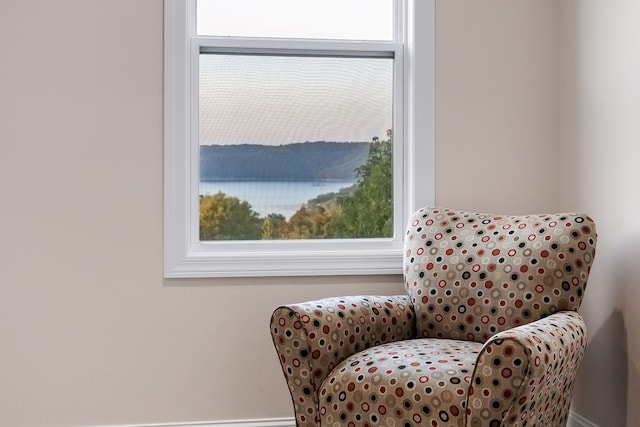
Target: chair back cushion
[(471, 275)]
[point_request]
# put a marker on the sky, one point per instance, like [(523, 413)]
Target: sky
[(279, 100), (347, 19), (275, 100)]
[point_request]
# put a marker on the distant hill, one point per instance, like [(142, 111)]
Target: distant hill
[(307, 161)]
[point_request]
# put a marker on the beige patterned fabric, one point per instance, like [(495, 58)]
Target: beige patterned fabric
[(473, 275), (313, 338), (401, 383), (524, 376), (487, 336)]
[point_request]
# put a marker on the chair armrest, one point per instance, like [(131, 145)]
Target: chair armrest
[(528, 373), (311, 338)]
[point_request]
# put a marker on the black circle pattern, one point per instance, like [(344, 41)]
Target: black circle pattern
[(405, 383), (473, 275), (525, 376), (498, 294), (312, 338)]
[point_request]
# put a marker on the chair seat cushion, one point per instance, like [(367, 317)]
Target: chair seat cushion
[(405, 383)]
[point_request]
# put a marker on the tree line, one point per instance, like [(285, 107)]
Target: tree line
[(364, 211), (300, 161)]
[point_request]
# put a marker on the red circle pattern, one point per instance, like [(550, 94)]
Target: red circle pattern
[(487, 335), (538, 264), (415, 381)]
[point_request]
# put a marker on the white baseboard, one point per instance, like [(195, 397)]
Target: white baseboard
[(577, 420), (271, 422)]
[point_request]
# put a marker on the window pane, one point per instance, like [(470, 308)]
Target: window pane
[(316, 19), (295, 147)]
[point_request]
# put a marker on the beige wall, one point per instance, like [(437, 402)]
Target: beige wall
[(90, 332), (497, 93), (92, 335), (601, 135)]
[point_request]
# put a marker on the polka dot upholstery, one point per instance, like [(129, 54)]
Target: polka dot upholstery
[(402, 383), (473, 275), (524, 376), (488, 334), (313, 338)]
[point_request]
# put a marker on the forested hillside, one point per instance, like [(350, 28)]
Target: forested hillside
[(364, 210), (309, 161)]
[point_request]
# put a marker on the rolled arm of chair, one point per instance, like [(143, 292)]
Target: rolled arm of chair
[(528, 373), (311, 338)]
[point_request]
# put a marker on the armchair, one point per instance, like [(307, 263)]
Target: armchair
[(487, 335)]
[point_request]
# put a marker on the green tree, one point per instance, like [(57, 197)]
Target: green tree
[(312, 221), (368, 211), (227, 218), (271, 225), (268, 231)]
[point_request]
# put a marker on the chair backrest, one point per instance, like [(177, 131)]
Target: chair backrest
[(471, 275)]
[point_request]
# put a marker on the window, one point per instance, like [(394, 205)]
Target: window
[(248, 134)]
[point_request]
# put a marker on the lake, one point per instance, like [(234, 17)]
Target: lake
[(278, 197)]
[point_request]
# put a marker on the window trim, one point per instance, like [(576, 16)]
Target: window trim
[(185, 256)]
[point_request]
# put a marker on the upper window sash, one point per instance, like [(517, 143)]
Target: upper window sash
[(324, 19), (186, 256)]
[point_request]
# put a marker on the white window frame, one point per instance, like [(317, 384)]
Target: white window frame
[(414, 134)]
